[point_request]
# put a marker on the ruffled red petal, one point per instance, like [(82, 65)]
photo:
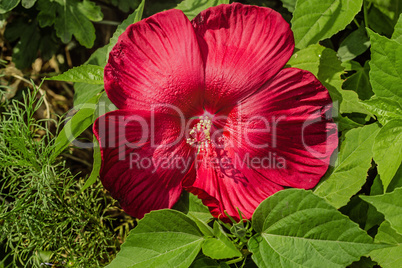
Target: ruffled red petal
[(289, 118), (242, 47), (156, 60), (225, 184), (144, 159)]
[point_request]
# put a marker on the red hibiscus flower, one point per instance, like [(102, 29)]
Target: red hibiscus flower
[(206, 106)]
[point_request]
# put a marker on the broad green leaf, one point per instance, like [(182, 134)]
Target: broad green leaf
[(7, 5), (90, 10), (296, 228), (191, 8), (354, 45), (90, 74), (387, 150), (83, 91), (386, 67), (28, 3), (76, 125), (136, 16), (359, 81), (397, 35), (389, 204), (350, 171), (95, 167), (163, 238), (289, 5), (69, 21), (220, 246), (385, 109), (315, 20), (390, 257)]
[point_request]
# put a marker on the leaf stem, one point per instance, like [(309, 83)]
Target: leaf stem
[(365, 13)]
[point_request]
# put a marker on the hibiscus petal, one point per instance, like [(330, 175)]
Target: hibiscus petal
[(225, 184), (156, 60), (289, 121), (242, 47), (144, 159)]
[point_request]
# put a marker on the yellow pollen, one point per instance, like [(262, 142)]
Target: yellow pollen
[(200, 134)]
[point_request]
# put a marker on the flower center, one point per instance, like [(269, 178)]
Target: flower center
[(200, 134)]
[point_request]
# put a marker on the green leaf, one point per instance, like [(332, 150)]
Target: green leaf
[(390, 257), (220, 246), (359, 81), (76, 125), (104, 106), (396, 181), (296, 228), (354, 45), (68, 20), (95, 167), (205, 262), (379, 22), (351, 103), (385, 109), (83, 91), (7, 5), (90, 74), (373, 216), (90, 10), (390, 8), (47, 13), (28, 3), (386, 66), (26, 50), (191, 8), (289, 5), (389, 204), (397, 35), (315, 20), (163, 238), (353, 161), (387, 151), (134, 17)]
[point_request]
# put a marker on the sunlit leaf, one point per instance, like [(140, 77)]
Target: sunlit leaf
[(163, 238), (315, 20), (296, 228), (350, 171)]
